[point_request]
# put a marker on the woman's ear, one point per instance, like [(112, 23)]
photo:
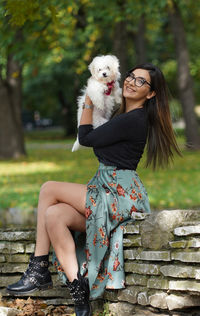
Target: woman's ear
[(151, 94)]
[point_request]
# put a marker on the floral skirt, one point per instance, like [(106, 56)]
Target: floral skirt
[(114, 196)]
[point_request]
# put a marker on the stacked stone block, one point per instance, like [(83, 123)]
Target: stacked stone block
[(162, 262)]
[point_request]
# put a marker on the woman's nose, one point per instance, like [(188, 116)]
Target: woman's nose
[(132, 82)]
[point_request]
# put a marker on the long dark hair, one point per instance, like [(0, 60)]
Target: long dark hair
[(161, 141)]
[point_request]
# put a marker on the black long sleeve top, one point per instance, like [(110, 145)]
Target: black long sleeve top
[(120, 142)]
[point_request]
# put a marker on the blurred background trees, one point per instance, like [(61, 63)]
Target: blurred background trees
[(46, 46)]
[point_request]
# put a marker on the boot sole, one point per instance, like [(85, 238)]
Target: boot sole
[(41, 288), (89, 313)]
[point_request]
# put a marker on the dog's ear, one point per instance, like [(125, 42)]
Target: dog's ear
[(115, 62), (91, 67)]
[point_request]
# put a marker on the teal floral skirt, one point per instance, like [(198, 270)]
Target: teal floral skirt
[(114, 196)]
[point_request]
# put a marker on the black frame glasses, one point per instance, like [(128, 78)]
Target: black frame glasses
[(138, 81)]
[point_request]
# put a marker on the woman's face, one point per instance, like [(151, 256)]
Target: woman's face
[(134, 92)]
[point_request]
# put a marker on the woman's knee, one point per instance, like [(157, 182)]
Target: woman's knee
[(47, 188), (52, 217)]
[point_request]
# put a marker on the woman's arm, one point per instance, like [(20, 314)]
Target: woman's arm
[(120, 128), (86, 117)]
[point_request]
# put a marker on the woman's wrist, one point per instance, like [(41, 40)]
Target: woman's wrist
[(86, 116), (87, 106)]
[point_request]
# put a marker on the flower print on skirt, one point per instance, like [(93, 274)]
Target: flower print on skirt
[(113, 197)]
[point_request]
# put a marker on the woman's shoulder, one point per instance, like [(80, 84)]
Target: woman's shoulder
[(133, 114), (130, 119), (137, 111)]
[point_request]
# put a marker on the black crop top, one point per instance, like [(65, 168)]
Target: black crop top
[(120, 142)]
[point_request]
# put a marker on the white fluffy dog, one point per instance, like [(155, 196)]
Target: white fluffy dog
[(103, 89)]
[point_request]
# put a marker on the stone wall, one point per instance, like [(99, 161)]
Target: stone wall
[(162, 263)]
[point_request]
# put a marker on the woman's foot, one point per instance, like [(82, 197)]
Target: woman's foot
[(80, 292), (36, 277)]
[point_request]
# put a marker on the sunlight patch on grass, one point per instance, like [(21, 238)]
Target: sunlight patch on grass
[(31, 167)]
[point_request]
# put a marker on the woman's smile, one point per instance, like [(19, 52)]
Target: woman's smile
[(130, 89)]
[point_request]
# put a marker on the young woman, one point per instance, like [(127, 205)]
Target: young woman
[(107, 203)]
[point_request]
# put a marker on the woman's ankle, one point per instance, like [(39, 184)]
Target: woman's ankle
[(41, 256), (71, 279)]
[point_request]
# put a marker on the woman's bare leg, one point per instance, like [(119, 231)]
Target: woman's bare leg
[(60, 218), (52, 193), (65, 204)]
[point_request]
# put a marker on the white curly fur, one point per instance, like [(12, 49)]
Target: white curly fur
[(103, 69)]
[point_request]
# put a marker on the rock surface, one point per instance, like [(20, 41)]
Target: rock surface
[(158, 300), (162, 267), (6, 311), (180, 302)]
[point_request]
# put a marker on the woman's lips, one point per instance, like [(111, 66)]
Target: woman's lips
[(129, 89)]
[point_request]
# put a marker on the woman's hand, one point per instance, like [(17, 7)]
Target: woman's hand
[(88, 100), (86, 117)]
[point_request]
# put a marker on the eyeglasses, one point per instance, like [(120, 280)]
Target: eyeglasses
[(138, 81)]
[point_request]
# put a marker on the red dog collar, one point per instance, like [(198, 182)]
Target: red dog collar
[(110, 85)]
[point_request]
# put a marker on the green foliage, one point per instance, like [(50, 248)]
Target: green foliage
[(60, 38), (19, 10)]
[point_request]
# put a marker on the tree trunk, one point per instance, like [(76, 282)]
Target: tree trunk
[(67, 114), (120, 45), (11, 129), (140, 42), (185, 84)]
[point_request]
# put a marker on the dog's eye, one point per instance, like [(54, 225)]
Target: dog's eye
[(99, 69), (108, 67)]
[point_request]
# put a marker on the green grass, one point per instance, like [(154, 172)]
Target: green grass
[(175, 187), (47, 135)]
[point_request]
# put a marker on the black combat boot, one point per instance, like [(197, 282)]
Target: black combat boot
[(36, 277), (80, 292)]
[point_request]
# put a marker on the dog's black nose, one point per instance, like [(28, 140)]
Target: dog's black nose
[(104, 74)]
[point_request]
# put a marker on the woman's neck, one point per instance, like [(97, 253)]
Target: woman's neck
[(130, 105)]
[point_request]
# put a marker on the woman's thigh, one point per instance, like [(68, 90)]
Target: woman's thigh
[(73, 194), (66, 215)]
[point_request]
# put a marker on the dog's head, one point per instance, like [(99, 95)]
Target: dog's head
[(105, 68)]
